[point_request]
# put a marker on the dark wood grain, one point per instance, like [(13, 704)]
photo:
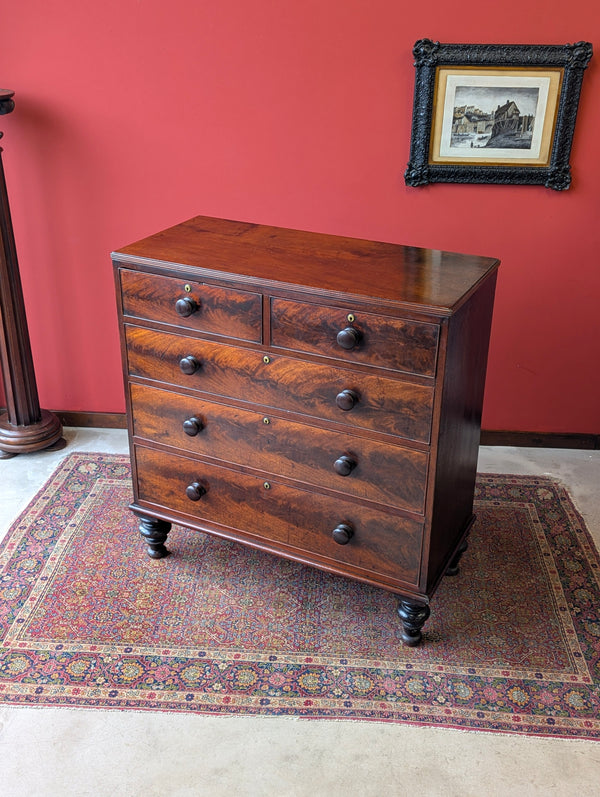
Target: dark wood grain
[(389, 272), (388, 474), (489, 437), (221, 311), (382, 543), (386, 405), (383, 341), (459, 429)]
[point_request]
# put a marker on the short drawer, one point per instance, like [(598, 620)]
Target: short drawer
[(355, 336), (385, 473), (370, 402), (283, 518), (192, 305)]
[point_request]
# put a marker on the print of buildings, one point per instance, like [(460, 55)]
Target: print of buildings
[(504, 127)]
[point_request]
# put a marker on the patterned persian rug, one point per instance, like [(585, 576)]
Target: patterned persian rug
[(87, 619)]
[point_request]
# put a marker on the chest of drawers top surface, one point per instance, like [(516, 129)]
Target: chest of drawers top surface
[(259, 255)]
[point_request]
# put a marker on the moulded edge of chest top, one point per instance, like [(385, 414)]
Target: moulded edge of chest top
[(409, 310)]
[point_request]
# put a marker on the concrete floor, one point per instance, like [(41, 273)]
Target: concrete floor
[(48, 752)]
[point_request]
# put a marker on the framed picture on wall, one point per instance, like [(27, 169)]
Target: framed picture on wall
[(488, 113)]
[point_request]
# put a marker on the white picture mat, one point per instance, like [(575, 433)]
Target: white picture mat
[(493, 82)]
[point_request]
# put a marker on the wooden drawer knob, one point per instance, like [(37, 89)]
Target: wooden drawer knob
[(342, 534), (346, 400), (192, 426), (348, 338), (344, 465), (186, 306), (189, 365), (195, 491)]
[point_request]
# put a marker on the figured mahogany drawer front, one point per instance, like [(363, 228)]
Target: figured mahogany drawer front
[(355, 336), (263, 509), (385, 473), (334, 394), (192, 305)]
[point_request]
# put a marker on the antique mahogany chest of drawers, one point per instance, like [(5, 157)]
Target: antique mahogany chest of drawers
[(313, 396)]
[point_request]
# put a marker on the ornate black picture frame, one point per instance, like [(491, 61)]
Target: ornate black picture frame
[(487, 113)]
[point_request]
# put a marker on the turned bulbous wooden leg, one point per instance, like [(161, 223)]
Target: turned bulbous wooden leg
[(413, 616), (154, 532)]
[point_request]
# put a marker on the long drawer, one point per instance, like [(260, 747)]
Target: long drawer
[(302, 521), (357, 337), (385, 473), (370, 402)]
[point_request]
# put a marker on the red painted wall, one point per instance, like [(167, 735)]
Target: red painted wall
[(133, 115)]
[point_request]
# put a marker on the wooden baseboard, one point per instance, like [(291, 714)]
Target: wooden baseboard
[(100, 420), (590, 442)]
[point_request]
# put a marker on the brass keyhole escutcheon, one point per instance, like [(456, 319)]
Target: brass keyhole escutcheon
[(266, 360), (187, 288), (350, 318), (266, 421), (267, 486)]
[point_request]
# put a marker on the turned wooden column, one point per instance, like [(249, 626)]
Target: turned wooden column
[(24, 426)]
